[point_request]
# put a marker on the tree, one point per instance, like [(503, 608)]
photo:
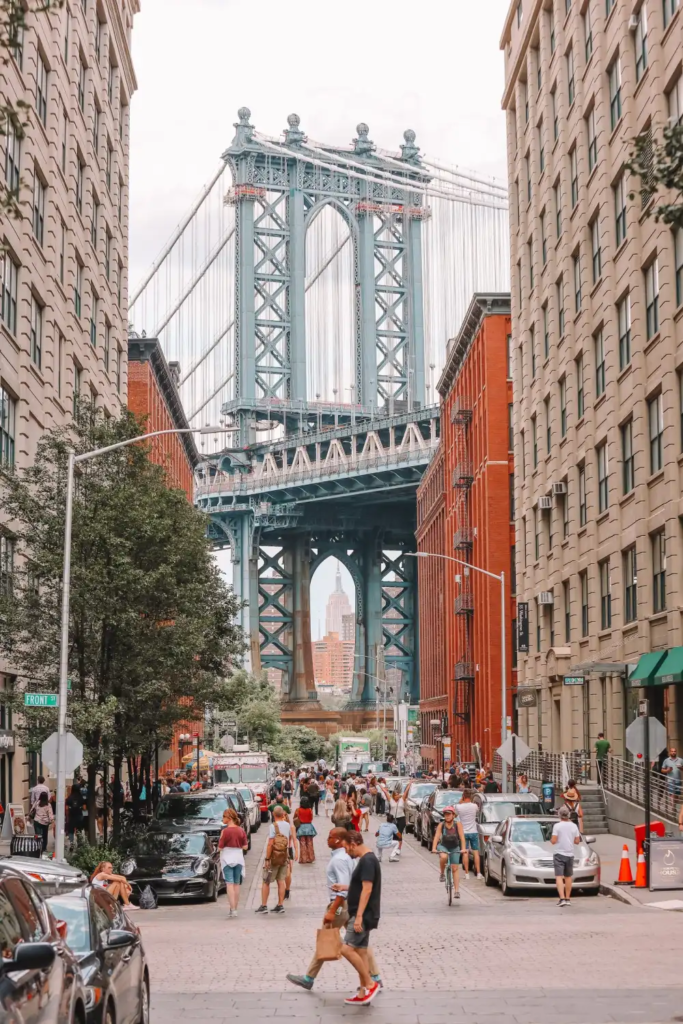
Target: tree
[(659, 165), (151, 624), (310, 744)]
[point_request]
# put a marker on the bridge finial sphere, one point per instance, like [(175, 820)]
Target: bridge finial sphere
[(244, 113), (409, 136), (293, 120), (362, 129)]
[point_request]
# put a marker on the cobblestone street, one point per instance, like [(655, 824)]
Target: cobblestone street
[(486, 958)]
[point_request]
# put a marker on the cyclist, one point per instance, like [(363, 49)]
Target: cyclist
[(449, 840)]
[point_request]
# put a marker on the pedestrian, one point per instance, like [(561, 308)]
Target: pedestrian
[(572, 800), (523, 784), (387, 836), (602, 749), (34, 794), (233, 844), (287, 788), (184, 785), (354, 810), (467, 815), (281, 840), (449, 841), (43, 816), (396, 806), (118, 887), (565, 837), (365, 805), (305, 831), (363, 903), (341, 817), (671, 767), (314, 795), (74, 811), (491, 786), (279, 801), (329, 796)]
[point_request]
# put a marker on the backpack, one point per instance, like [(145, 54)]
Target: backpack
[(148, 899), (278, 853)]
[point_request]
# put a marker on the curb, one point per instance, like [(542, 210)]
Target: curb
[(617, 892)]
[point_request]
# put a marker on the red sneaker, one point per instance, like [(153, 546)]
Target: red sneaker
[(364, 998)]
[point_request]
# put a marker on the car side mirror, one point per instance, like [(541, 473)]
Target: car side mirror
[(589, 839), (496, 839), (31, 956), (119, 939)]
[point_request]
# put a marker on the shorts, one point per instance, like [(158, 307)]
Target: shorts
[(453, 855), (472, 841), (358, 940), (563, 864), (232, 873), (275, 874)]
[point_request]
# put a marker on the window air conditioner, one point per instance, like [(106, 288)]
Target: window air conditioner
[(560, 487), (545, 501), (633, 23), (545, 597)]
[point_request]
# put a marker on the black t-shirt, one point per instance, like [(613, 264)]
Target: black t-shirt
[(367, 870)]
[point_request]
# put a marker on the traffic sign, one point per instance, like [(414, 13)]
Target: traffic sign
[(521, 749), (635, 737), (41, 700), (74, 752)]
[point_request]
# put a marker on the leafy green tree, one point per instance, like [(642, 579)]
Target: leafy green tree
[(658, 162), (310, 744), (151, 622)]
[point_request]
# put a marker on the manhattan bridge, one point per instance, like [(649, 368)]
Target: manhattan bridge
[(308, 297)]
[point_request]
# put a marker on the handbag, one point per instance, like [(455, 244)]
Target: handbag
[(328, 944)]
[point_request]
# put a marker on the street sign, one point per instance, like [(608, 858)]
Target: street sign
[(41, 700), (74, 752), (523, 627), (635, 737), (574, 680), (527, 698), (644, 707), (506, 751), (165, 756)]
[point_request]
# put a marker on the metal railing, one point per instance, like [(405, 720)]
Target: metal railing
[(628, 780), (543, 766)]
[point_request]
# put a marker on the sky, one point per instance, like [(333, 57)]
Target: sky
[(433, 66)]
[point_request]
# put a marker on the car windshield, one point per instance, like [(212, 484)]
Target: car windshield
[(159, 845), (421, 790), (227, 774), (254, 773), (75, 913), (531, 832), (186, 807), (499, 810), (447, 798), (245, 793), (374, 767)]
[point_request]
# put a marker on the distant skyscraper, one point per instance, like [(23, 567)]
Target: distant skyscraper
[(348, 633), (338, 605)]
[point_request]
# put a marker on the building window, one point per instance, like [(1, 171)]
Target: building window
[(94, 314), (107, 258), (652, 299), (62, 250), (583, 507), (574, 177), (78, 288), (527, 175), (67, 33), (525, 87), (534, 441), (670, 8), (509, 339), (41, 88), (603, 478), (80, 173), (588, 34), (530, 257), (564, 502), (16, 45), (12, 156), (95, 221), (60, 363), (630, 585), (567, 611), (583, 584), (559, 287), (546, 331), (655, 415), (110, 159), (78, 381), (609, 4), (614, 75), (544, 240), (65, 138), (96, 129), (596, 249), (658, 572), (577, 282), (6, 565), (520, 13), (679, 265), (551, 30), (570, 77), (8, 413), (110, 81), (513, 570), (522, 437), (546, 404), (36, 332), (10, 282), (599, 364), (556, 120), (107, 345), (537, 535), (680, 404), (38, 207), (605, 595), (119, 199), (620, 210), (541, 150), (592, 140), (511, 431), (81, 84), (641, 41), (119, 281), (563, 406), (627, 457), (580, 394), (675, 101), (119, 358), (558, 209), (624, 321)]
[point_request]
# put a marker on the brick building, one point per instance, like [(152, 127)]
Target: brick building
[(464, 511), (333, 662)]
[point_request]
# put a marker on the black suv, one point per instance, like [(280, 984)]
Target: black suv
[(200, 812)]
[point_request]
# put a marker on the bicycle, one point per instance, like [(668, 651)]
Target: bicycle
[(449, 884)]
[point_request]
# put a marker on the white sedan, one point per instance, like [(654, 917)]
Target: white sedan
[(519, 855)]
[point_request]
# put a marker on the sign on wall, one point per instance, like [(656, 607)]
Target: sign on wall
[(527, 698), (523, 627)]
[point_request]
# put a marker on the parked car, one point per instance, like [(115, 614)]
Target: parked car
[(110, 955), (200, 812), (496, 807), (176, 864), (414, 794), (260, 793), (47, 876), (252, 805), (35, 958), (430, 813), (519, 855)]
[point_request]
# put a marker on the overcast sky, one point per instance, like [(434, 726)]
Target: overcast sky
[(430, 65)]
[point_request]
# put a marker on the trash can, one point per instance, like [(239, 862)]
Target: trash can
[(548, 796), (26, 846)]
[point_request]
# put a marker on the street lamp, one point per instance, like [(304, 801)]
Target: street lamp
[(503, 668), (66, 583)]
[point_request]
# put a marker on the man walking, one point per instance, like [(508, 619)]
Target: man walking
[(339, 870), (467, 812), (565, 837), (602, 749), (363, 902), (276, 867), (314, 794), (672, 767)]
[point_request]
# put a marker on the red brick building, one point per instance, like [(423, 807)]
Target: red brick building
[(153, 397), (460, 609)]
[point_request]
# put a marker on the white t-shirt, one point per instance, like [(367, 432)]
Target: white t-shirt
[(284, 828), (467, 812), (566, 832), (397, 807)]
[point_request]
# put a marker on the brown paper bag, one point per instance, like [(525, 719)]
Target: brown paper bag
[(328, 944)]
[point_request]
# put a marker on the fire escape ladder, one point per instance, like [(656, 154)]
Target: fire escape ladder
[(461, 416)]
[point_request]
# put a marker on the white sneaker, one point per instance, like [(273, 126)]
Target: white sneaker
[(234, 913), (467, 875), (229, 911)]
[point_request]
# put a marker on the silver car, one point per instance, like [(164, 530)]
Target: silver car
[(413, 796), (50, 877), (520, 855), (496, 807), (253, 806)]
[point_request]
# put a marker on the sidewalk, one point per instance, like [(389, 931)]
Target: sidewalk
[(610, 848)]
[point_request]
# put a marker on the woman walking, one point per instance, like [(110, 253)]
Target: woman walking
[(74, 811), (340, 815), (232, 844), (523, 784), (329, 796), (43, 817), (572, 800), (397, 807), (305, 831)]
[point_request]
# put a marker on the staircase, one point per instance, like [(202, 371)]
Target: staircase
[(594, 811)]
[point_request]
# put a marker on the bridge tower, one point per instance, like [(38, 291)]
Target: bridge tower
[(341, 477)]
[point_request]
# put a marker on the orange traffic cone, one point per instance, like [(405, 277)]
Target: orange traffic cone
[(625, 876), (641, 872)]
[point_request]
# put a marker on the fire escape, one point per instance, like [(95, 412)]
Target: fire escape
[(461, 417)]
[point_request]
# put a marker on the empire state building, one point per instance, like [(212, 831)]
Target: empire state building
[(338, 605)]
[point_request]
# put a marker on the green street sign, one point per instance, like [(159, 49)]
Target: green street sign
[(41, 700)]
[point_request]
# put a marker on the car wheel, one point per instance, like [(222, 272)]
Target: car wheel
[(249, 842), (424, 839), (488, 877), (590, 892), (143, 1017), (213, 895), (505, 888)]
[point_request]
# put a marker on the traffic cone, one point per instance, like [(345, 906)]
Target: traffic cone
[(641, 872), (625, 876)]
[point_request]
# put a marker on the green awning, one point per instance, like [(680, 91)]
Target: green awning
[(671, 669), (646, 668)]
